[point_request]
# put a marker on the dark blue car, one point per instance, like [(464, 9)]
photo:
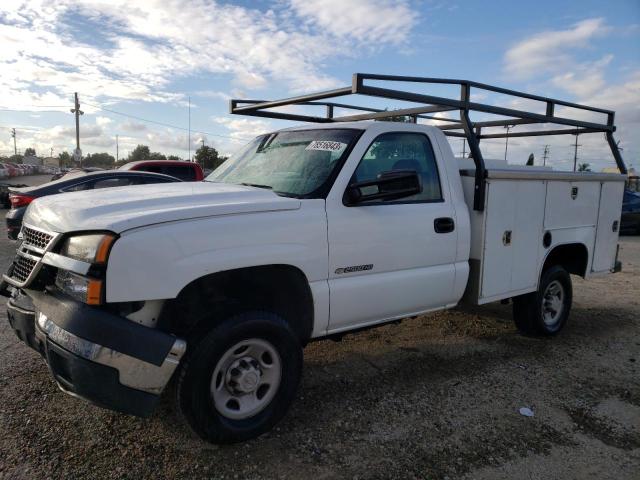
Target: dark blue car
[(630, 220)]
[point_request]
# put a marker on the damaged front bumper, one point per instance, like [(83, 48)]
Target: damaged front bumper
[(94, 354)]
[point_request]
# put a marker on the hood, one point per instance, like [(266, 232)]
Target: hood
[(123, 208)]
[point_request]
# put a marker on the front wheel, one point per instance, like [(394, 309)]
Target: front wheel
[(545, 311), (240, 380)]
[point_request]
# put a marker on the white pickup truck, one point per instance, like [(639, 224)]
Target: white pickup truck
[(308, 232)]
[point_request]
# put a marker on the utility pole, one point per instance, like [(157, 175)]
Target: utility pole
[(13, 134), (189, 140), (464, 149), (117, 149), (76, 109), (506, 143), (545, 155), (51, 152), (575, 153)]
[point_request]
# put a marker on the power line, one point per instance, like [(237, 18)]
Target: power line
[(163, 124), (135, 117), (13, 109)]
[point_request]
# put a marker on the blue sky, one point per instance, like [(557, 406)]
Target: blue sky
[(145, 59)]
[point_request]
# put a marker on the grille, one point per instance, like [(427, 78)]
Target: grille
[(36, 238), (22, 268)]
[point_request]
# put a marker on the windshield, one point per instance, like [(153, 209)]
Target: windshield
[(292, 163)]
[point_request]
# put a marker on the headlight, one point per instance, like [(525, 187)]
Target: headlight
[(84, 289), (93, 248)]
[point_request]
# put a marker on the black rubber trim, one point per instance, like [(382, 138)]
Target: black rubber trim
[(97, 383), (23, 324), (103, 328)]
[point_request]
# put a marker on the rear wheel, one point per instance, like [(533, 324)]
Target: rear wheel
[(240, 380), (545, 311)]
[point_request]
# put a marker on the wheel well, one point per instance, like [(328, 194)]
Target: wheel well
[(281, 289), (573, 257)]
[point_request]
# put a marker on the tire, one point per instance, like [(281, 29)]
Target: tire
[(214, 387), (545, 312)]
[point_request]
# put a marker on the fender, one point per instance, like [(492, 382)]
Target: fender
[(157, 262)]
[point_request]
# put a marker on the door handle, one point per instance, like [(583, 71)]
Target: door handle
[(444, 225)]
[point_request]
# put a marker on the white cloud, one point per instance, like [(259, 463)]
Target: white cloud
[(551, 60), (137, 49), (131, 126), (103, 121), (365, 20), (550, 51), (244, 129)]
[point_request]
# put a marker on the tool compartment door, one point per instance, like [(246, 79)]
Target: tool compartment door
[(512, 234), (604, 252)]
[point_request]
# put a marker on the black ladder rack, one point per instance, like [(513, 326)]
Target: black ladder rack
[(462, 127)]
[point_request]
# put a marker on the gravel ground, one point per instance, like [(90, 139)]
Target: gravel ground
[(434, 397)]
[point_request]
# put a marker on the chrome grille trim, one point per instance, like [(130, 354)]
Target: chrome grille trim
[(28, 261), (36, 238), (22, 268)]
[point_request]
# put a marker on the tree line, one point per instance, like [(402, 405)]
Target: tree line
[(207, 157)]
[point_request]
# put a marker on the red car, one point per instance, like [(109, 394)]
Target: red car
[(185, 171)]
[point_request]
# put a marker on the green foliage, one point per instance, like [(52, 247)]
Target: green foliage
[(208, 157), (29, 152), (16, 158), (584, 167), (173, 157), (65, 160), (141, 152), (102, 160)]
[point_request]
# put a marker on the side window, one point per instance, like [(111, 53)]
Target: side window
[(402, 151), (150, 180), (112, 182), (182, 172), (153, 169), (77, 187)]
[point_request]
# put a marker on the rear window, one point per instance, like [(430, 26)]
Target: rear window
[(186, 173)]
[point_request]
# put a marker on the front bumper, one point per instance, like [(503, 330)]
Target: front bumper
[(96, 355)]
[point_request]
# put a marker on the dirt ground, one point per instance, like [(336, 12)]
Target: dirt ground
[(434, 397)]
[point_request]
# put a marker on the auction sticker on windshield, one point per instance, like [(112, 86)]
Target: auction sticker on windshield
[(326, 146)]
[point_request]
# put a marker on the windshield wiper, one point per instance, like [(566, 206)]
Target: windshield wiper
[(257, 185)]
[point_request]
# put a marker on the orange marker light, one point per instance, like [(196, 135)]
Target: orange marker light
[(94, 292), (103, 249)]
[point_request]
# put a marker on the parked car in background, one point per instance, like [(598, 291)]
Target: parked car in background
[(186, 171), (630, 219), (67, 171), (12, 170), (20, 198), (4, 172)]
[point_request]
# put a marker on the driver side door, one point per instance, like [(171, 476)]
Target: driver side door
[(391, 259)]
